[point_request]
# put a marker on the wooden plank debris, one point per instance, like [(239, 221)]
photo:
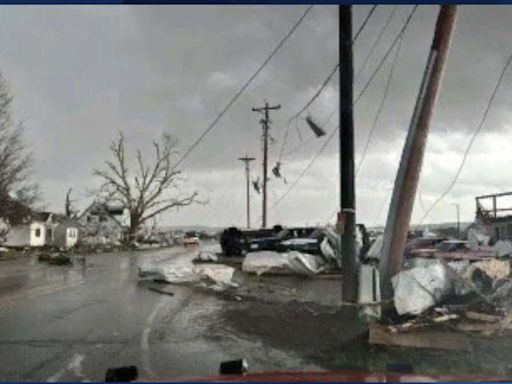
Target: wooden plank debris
[(477, 316), (422, 338)]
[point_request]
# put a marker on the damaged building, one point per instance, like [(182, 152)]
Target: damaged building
[(494, 211), (103, 223)]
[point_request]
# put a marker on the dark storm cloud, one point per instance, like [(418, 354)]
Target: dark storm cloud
[(81, 74)]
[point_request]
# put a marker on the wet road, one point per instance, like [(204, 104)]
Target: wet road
[(72, 323)]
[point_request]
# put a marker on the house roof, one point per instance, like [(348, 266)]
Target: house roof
[(56, 218), (111, 210)]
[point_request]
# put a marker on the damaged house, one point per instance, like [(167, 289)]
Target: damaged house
[(104, 223), (494, 211), (44, 229)]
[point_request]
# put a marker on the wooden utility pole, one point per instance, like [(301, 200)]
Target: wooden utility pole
[(347, 216), (406, 182), (265, 122), (247, 161)]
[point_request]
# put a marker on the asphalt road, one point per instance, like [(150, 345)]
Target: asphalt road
[(72, 323)]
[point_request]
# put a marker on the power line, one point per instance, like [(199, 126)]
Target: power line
[(312, 137), (326, 143), (472, 140), (381, 106), (334, 70), (325, 82), (398, 37), (375, 43), (400, 34), (363, 24), (244, 87)]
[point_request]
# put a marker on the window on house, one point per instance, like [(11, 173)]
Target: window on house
[(38, 232), (103, 218), (509, 229), (49, 233), (89, 219)]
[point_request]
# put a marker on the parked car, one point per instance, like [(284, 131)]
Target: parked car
[(190, 239), (236, 242), (272, 243)]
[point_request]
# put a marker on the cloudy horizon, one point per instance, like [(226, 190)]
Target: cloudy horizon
[(81, 74)]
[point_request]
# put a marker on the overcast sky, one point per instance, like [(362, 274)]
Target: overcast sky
[(80, 74)]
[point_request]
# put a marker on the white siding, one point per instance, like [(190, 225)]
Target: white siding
[(71, 236), (37, 234), (18, 236)]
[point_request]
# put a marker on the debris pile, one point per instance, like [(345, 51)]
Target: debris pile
[(291, 262), (182, 270), (54, 258), (470, 293)]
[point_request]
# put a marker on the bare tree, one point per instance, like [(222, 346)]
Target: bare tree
[(17, 194), (69, 206), (143, 189)]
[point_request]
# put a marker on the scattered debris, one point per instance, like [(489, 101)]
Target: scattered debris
[(443, 318), (183, 271), (502, 248), (419, 338), (256, 185), (216, 275), (477, 236), (374, 252), (319, 132), (162, 291), (482, 317), (495, 269), (59, 259), (292, 262), (54, 258), (418, 289), (206, 256), (369, 291), (277, 170)]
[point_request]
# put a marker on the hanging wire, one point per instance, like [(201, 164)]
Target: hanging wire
[(380, 108), (471, 141), (244, 87), (395, 41), (375, 43), (322, 87)]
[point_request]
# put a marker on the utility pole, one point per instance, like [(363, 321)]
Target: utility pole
[(347, 216), (406, 182), (457, 207), (265, 122), (247, 161)]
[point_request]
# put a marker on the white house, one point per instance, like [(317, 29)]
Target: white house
[(27, 235), (45, 229)]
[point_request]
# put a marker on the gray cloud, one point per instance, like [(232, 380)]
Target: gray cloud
[(82, 73)]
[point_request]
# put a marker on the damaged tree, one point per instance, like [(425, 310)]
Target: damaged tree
[(69, 206), (17, 194), (142, 189)]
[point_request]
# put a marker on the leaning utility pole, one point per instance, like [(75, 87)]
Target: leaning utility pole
[(347, 216), (247, 161), (406, 182), (265, 122)]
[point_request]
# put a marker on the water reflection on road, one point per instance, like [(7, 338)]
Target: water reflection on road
[(73, 322)]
